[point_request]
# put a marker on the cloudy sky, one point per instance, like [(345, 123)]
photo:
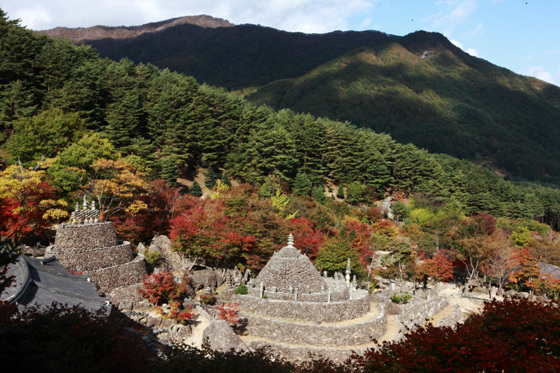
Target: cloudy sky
[(521, 35)]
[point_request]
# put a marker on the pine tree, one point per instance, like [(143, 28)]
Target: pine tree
[(319, 194), (340, 191), (211, 177), (302, 185), (195, 189)]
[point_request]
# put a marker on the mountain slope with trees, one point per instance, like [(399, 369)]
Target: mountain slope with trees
[(419, 88)]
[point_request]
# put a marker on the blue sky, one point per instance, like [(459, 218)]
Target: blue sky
[(521, 35)]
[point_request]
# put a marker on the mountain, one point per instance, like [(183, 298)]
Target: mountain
[(419, 88), (78, 35)]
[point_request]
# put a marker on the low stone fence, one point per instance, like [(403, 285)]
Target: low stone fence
[(416, 313), (306, 311), (72, 237), (301, 354), (317, 334), (452, 319), (91, 260), (302, 295), (121, 275)]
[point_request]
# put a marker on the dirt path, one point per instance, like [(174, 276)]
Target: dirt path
[(436, 319), (392, 329), (195, 339)]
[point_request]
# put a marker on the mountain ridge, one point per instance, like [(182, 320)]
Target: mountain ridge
[(420, 88)]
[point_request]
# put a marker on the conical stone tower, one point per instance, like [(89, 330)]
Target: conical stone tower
[(289, 269)]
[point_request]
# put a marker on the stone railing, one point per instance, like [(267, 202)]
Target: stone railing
[(340, 295), (302, 310), (76, 237), (91, 260)]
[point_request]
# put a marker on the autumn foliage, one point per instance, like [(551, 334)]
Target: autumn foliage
[(515, 335)]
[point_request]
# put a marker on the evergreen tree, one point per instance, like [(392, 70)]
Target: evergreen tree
[(319, 194), (211, 177), (195, 189), (302, 185), (340, 191), (169, 170)]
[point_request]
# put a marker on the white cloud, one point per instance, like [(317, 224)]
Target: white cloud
[(457, 13), (472, 52), (540, 73), (365, 23), (477, 30), (456, 43)]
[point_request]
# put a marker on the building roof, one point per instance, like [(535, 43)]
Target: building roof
[(41, 282)]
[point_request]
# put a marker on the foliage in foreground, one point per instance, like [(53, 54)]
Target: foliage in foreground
[(515, 335)]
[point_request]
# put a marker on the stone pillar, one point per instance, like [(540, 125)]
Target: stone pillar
[(261, 290), (329, 295), (295, 295)]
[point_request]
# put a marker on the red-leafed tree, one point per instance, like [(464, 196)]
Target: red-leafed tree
[(527, 274), (308, 239), (437, 268), (515, 335)]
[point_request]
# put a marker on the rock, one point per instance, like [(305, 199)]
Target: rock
[(167, 323), (171, 259), (500, 292), (201, 277), (125, 305), (523, 294), (221, 337), (393, 309), (141, 249), (226, 294), (153, 322)]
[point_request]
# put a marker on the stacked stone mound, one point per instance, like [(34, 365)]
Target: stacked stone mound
[(291, 307), (93, 249), (288, 270)]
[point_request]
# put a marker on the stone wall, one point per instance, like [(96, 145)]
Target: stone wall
[(121, 275), (72, 237), (453, 319), (302, 310), (91, 260), (302, 354), (416, 313), (312, 334)]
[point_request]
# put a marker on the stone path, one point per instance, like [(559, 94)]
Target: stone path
[(195, 338)]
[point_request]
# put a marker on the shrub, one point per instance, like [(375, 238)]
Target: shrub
[(242, 289), (229, 313), (153, 258), (401, 299)]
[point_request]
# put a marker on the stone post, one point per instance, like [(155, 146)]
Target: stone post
[(348, 272), (329, 295), (295, 295), (261, 290)]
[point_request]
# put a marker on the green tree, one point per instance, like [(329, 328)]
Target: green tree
[(195, 189), (302, 185), (318, 194), (333, 257), (44, 135)]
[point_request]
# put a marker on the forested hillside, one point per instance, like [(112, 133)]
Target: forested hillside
[(73, 124), (418, 88)]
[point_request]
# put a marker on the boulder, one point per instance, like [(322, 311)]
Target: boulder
[(201, 277), (172, 260), (220, 337)]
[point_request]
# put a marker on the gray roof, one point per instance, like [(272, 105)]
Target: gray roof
[(41, 282)]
